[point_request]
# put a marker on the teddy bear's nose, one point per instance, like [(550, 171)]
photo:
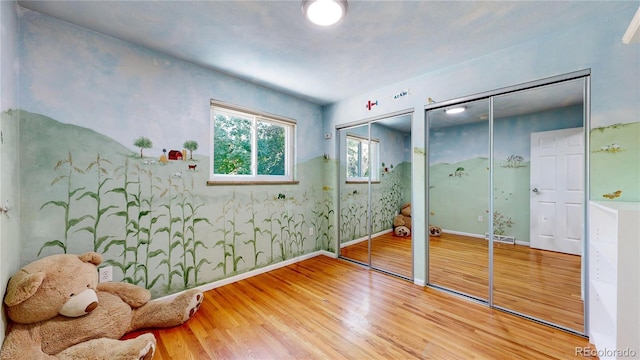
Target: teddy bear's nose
[(91, 307), (80, 304)]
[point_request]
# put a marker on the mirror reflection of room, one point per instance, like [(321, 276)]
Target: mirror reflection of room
[(538, 212), (532, 199), (354, 193), (459, 198), (375, 179)]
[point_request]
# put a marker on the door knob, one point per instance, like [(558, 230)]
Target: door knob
[(535, 190)]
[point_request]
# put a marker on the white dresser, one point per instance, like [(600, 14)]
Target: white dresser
[(614, 279)]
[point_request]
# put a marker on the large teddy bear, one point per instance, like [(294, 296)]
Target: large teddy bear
[(59, 311), (402, 221)]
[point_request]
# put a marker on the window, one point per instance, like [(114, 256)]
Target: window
[(362, 158), (250, 146)]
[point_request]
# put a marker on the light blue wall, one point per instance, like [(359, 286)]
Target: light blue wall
[(9, 189), (124, 91), (597, 45)]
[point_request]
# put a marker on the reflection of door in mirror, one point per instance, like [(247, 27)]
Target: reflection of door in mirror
[(391, 226), (539, 178), (354, 172), (458, 178)]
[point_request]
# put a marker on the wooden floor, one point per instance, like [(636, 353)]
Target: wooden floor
[(538, 283), (325, 308), (389, 252)]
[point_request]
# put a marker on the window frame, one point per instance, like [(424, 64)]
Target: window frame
[(255, 116), (374, 156)]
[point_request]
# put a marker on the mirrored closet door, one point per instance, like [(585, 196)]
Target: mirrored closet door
[(458, 178), (375, 194), (354, 229), (512, 164), (538, 202)]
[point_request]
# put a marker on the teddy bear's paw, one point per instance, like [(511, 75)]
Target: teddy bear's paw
[(193, 301), (148, 346), (147, 352)]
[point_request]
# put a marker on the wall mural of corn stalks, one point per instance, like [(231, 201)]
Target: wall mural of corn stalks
[(387, 197), (161, 227)]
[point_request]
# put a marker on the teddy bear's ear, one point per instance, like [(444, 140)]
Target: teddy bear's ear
[(91, 257), (21, 287)]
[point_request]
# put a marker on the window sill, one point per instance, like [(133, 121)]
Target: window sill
[(362, 182), (226, 183)]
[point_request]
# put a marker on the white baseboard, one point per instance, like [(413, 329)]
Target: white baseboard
[(518, 242), (463, 233), (420, 282), (364, 238), (248, 274)]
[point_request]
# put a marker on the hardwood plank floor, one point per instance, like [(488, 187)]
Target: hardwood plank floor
[(388, 252), (538, 283), (333, 309)]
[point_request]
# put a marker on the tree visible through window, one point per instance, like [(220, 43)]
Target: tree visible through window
[(250, 147), (271, 149)]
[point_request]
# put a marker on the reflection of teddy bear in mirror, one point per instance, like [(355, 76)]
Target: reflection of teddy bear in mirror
[(402, 221), (59, 311)]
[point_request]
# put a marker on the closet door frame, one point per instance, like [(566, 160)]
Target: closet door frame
[(585, 75), (368, 122)]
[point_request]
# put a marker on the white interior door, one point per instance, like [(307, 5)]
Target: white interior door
[(557, 190)]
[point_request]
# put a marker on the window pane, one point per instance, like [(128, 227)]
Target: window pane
[(353, 158), (375, 161), (364, 159), (271, 148), (232, 145)]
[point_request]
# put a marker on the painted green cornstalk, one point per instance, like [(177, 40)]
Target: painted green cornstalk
[(298, 235), (96, 196), (226, 207), (136, 232), (181, 235), (282, 240), (256, 231), (150, 254), (65, 204), (194, 240), (124, 214), (171, 245), (326, 216), (235, 235), (272, 235)]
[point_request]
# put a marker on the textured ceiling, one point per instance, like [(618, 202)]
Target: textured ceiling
[(377, 44)]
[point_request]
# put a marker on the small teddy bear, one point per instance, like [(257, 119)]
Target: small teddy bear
[(59, 311), (435, 230), (402, 221)]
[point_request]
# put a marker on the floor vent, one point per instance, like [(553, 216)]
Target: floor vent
[(502, 238)]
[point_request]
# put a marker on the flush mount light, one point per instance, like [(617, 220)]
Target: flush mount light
[(324, 12), (455, 110)]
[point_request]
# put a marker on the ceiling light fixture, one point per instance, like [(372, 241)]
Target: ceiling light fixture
[(324, 12), (455, 110)]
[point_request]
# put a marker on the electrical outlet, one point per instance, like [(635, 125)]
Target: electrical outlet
[(106, 274), (310, 231), (480, 218)]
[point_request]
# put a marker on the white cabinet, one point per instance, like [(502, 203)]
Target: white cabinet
[(614, 279)]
